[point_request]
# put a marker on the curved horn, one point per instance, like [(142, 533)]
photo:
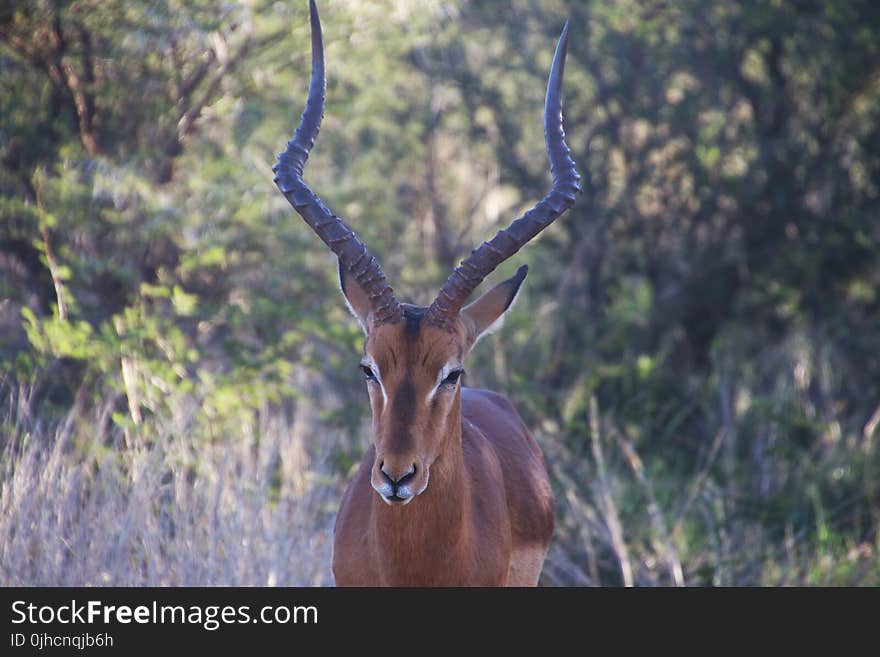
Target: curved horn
[(352, 253), (485, 258)]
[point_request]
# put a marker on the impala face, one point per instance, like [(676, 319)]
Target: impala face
[(413, 371), (413, 374)]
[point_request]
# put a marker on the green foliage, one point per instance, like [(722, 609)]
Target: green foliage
[(702, 329)]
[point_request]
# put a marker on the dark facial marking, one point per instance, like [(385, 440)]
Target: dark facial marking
[(413, 319), (403, 415)]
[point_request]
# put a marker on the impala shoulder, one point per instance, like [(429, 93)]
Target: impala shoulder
[(493, 413), (474, 399)]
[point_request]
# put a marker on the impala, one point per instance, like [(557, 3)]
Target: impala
[(453, 490)]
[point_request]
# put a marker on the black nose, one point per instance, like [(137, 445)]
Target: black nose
[(402, 479)]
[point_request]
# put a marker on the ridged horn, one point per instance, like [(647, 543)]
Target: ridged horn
[(352, 253), (485, 258)]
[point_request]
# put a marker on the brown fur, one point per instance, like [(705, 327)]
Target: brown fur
[(486, 515)]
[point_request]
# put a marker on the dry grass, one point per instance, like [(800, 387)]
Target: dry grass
[(168, 510)]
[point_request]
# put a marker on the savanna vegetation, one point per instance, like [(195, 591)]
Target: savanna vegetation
[(696, 348)]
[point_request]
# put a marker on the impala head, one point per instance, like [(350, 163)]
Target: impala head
[(413, 358), (414, 370)]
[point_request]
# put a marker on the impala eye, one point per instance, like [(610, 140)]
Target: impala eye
[(452, 378), (368, 373)]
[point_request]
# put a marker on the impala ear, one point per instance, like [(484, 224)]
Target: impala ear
[(486, 314), (357, 300)]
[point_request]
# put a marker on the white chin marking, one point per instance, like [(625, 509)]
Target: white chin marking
[(402, 502)]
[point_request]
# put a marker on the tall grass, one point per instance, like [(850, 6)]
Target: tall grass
[(783, 490), (80, 507)]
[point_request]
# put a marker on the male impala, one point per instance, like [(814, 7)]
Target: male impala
[(453, 490)]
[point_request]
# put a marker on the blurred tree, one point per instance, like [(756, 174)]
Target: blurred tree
[(708, 310)]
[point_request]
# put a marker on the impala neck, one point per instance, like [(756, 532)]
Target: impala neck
[(411, 541)]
